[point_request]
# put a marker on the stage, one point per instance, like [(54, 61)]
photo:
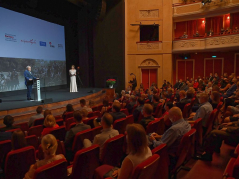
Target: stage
[(22, 109)]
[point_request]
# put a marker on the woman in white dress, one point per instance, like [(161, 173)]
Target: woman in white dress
[(73, 85)]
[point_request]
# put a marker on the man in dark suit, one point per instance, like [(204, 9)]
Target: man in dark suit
[(182, 100), (8, 120), (116, 113), (138, 110), (231, 90), (29, 81)]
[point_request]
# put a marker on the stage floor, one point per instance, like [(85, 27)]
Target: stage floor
[(19, 101)]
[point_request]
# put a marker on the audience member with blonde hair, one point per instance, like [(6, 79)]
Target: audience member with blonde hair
[(50, 124), (49, 146), (137, 148)]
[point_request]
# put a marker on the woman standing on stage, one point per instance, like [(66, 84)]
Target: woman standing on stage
[(73, 85)]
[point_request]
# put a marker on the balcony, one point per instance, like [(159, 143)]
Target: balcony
[(204, 44), (197, 10)]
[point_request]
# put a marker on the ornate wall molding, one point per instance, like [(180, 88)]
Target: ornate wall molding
[(223, 41), (149, 13), (216, 3), (181, 45), (149, 63), (150, 46)]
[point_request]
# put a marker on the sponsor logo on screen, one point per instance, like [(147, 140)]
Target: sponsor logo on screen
[(42, 43), (10, 37), (29, 41), (51, 45), (60, 46)]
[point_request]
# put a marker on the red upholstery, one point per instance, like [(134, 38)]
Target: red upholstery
[(135, 106), (97, 113), (95, 108), (125, 110), (32, 141), (120, 125), (100, 107), (69, 115), (219, 106), (101, 171), (58, 117), (90, 121), (156, 126), (18, 162), (184, 149), (59, 133), (172, 98), (210, 122), (5, 147), (23, 126), (236, 152), (54, 170), (164, 162), (35, 130), (39, 121), (147, 101), (12, 130), (232, 169), (146, 169), (198, 136), (72, 125), (140, 117), (96, 130), (193, 101), (90, 114), (85, 162), (68, 122), (186, 110), (79, 137), (129, 119), (60, 122), (113, 150), (158, 110)]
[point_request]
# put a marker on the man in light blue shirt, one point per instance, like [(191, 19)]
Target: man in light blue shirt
[(174, 134)]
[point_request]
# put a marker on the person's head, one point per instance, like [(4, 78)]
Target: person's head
[(182, 94), (155, 98), (29, 68), (116, 95), (209, 84), (203, 98), (225, 74), (50, 121), (39, 109), (180, 80), (175, 114), (215, 88), (190, 94), (77, 116), (136, 139), (69, 108), (116, 107), (168, 105), (49, 144), (18, 140), (133, 98), (84, 113), (82, 102), (170, 91), (147, 110), (127, 96), (226, 80), (72, 66), (164, 81), (215, 96), (123, 92), (8, 120), (46, 113), (106, 102), (234, 80), (141, 101), (107, 120), (215, 74)]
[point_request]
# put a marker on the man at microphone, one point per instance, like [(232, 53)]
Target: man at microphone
[(29, 81)]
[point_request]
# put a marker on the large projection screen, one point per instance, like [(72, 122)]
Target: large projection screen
[(26, 40)]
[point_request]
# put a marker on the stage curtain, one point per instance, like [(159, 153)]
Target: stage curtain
[(180, 29), (191, 27), (235, 22), (181, 70), (201, 27), (215, 23)]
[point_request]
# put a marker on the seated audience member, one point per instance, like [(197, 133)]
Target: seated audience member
[(195, 84), (69, 108), (208, 89), (84, 114), (190, 93), (222, 31), (215, 99), (236, 30), (122, 98), (141, 86), (225, 85), (80, 126), (155, 102), (173, 135), (214, 81), (126, 101), (182, 100), (37, 116), (50, 124), (46, 113), (216, 76), (203, 111), (131, 104), (164, 84), (116, 96), (49, 146), (211, 77), (105, 106), (196, 34), (138, 151), (163, 97), (147, 113), (170, 93), (8, 120), (139, 108), (184, 36), (116, 113), (167, 121), (213, 142), (83, 105), (107, 133), (232, 89), (150, 95), (176, 85), (210, 33)]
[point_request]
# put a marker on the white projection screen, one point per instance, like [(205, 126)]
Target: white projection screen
[(26, 40)]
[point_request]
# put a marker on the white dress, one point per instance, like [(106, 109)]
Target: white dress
[(73, 85)]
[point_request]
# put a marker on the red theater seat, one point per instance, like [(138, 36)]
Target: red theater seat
[(35, 130), (120, 125), (59, 133), (186, 110), (60, 122), (5, 147), (39, 121), (12, 130), (232, 169), (90, 121), (68, 122), (79, 137), (95, 108), (158, 111), (68, 115), (18, 162), (210, 122), (96, 130), (198, 135), (23, 125), (53, 170), (156, 126), (32, 141), (125, 111), (129, 119)]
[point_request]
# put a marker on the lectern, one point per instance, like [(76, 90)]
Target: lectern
[(37, 91)]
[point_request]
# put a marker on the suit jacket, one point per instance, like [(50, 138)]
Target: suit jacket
[(231, 90), (70, 135), (28, 76), (136, 112), (118, 115), (182, 103)]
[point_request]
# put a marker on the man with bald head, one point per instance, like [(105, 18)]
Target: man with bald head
[(173, 135)]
